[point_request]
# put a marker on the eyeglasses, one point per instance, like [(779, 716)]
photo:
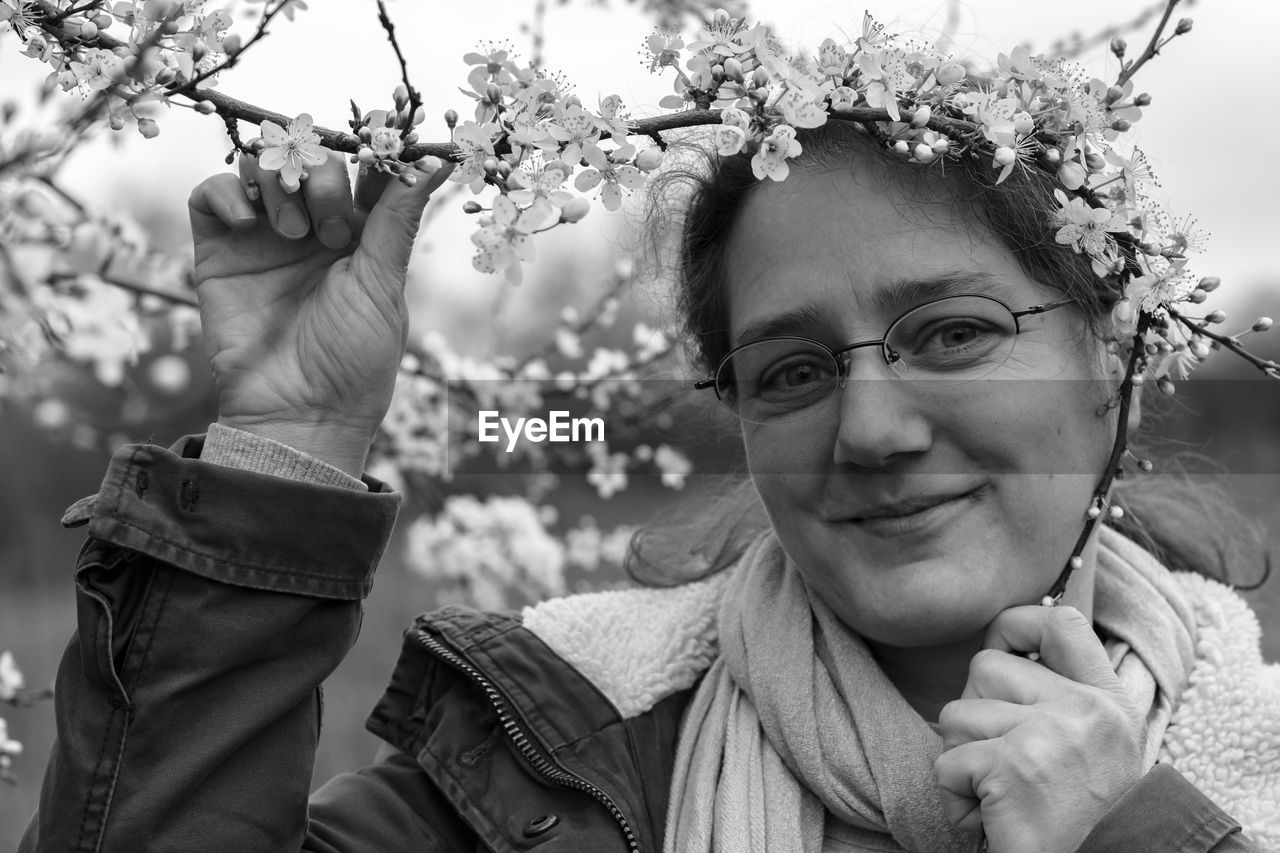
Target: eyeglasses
[(954, 338)]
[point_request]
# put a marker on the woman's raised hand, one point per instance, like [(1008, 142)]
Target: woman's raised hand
[(302, 301), (1037, 753)]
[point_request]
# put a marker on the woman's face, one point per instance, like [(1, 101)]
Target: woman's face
[(918, 510)]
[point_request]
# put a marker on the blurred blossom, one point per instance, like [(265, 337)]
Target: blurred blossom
[(11, 680), (500, 543)]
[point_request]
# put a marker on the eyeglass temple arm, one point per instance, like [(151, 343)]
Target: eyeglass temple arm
[(1040, 309)]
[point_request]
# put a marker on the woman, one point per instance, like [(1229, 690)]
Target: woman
[(861, 680)]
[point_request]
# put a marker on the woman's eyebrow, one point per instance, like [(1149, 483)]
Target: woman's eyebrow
[(788, 322), (905, 293)]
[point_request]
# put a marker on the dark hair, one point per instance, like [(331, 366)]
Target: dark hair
[(1188, 525)]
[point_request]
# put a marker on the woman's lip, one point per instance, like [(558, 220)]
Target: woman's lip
[(918, 520)]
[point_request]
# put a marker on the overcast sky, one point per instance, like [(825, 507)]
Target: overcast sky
[(1210, 132)]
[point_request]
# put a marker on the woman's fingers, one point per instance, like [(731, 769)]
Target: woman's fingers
[(220, 202), (386, 241), (327, 192), (995, 674), (959, 771), (965, 720), (323, 200), (1062, 636)]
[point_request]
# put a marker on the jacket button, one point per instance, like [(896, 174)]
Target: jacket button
[(540, 824)]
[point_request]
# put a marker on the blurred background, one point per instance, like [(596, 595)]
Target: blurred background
[(1208, 135)]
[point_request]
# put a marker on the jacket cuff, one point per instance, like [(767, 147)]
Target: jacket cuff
[(240, 527), (1162, 812)]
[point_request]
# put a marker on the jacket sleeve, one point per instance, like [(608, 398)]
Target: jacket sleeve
[(211, 603), (1166, 813)]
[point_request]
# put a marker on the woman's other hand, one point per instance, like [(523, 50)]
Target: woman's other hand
[(302, 301), (1037, 753)]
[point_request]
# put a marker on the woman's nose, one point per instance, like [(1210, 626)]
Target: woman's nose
[(881, 419)]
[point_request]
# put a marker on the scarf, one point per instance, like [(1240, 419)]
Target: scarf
[(795, 720)]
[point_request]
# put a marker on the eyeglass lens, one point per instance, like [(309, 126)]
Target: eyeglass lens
[(956, 338)]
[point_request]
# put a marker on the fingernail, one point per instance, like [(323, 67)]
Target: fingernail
[(291, 221), (335, 233)]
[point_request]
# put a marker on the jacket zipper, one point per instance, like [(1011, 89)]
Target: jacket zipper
[(525, 745)]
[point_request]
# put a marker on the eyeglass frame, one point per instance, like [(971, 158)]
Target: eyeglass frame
[(889, 356)]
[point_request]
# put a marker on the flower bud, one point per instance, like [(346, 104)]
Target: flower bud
[(365, 156), (649, 159), (1184, 27), (231, 44), (205, 108), (1165, 384), (922, 116), (1209, 283), (923, 153), (493, 94), (419, 115), (1199, 349), (1197, 296), (472, 207), (1053, 155), (1114, 94), (1122, 125), (148, 128), (1142, 100), (116, 122), (941, 146), (733, 69), (901, 146), (949, 73), (1005, 155), (401, 96), (1215, 317), (490, 165), (760, 78), (1261, 324), (576, 208), (451, 118), (88, 30), (504, 169), (717, 71), (364, 133), (1118, 46), (1095, 162), (572, 101), (102, 20)]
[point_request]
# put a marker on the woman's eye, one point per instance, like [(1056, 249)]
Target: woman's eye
[(795, 373), (955, 335)]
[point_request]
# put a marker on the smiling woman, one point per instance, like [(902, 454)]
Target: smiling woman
[(933, 362)]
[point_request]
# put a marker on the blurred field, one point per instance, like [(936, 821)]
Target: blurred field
[(36, 606)]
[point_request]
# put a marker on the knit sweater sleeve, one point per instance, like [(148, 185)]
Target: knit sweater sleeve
[(236, 448)]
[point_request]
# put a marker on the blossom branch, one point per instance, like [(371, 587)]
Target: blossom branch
[(131, 286), (1153, 46), (1270, 368), (1114, 462)]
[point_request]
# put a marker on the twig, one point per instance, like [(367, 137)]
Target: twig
[(1153, 46), (1113, 462), (133, 287), (1268, 367), (537, 33), (415, 99)]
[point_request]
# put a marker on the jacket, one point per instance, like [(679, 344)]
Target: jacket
[(213, 601)]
